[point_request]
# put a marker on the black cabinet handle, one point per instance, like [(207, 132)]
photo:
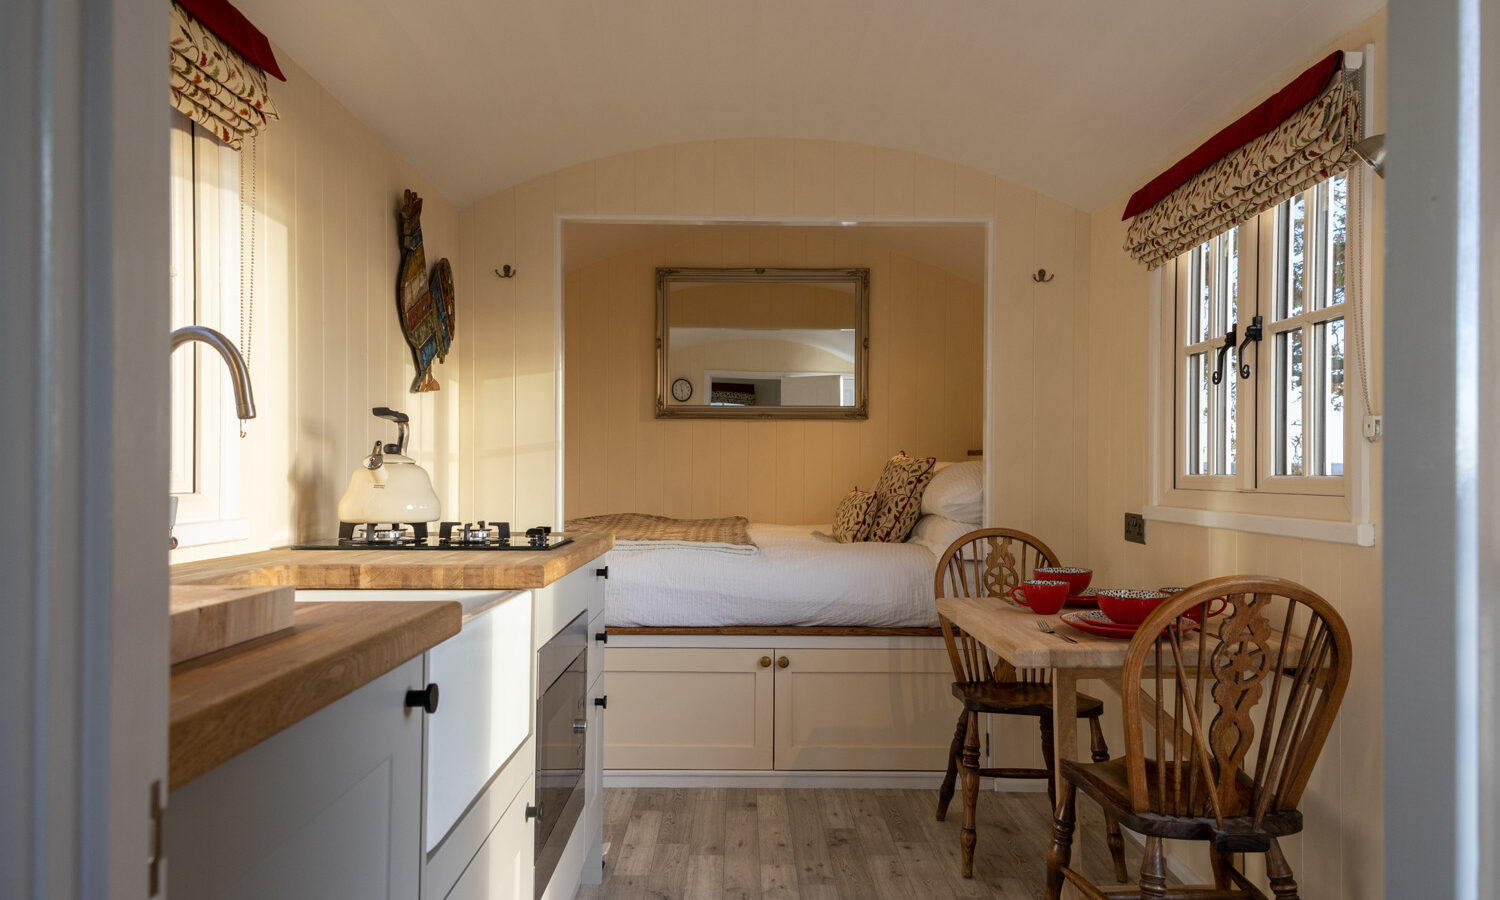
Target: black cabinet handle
[(602, 573), (533, 812), (601, 636), (602, 702), (425, 699)]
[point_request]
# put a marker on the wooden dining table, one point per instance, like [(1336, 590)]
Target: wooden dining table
[(1011, 631)]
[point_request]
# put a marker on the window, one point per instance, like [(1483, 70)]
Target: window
[(205, 290), (1264, 435)]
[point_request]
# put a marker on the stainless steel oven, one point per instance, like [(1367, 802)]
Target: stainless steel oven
[(562, 675)]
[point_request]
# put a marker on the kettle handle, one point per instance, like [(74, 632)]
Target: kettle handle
[(400, 418)]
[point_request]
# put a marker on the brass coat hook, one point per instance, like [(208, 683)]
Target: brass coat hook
[(1041, 276), (506, 272)]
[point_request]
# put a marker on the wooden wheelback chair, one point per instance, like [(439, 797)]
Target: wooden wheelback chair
[(1277, 648), (988, 563)]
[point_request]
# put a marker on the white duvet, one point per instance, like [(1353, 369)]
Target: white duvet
[(797, 577)]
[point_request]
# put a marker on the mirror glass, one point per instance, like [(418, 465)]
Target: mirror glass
[(761, 343)]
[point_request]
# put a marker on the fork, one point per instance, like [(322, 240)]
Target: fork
[(1043, 626)]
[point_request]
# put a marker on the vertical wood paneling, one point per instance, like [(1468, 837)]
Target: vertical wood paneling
[(619, 457), (327, 346)]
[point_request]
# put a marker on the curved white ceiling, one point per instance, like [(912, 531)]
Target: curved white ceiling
[(1078, 99)]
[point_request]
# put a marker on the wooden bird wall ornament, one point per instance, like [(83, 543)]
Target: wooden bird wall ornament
[(424, 302)]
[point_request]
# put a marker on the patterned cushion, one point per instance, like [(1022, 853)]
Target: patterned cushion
[(898, 496), (852, 519)]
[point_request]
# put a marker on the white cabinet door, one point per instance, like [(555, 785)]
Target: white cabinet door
[(502, 869), (852, 709), (688, 708), (327, 809)]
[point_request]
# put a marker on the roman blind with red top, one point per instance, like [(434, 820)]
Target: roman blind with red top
[(219, 67), (1299, 136)]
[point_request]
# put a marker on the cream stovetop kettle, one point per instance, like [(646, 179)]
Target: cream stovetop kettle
[(389, 487)]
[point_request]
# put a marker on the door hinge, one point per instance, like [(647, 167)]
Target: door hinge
[(154, 855)]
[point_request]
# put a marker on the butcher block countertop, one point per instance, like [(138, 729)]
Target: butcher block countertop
[(398, 569), (227, 702)]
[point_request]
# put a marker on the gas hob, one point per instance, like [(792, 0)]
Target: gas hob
[(449, 536)]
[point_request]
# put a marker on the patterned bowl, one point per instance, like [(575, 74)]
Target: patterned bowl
[(1077, 577), (1129, 607), (1195, 611)]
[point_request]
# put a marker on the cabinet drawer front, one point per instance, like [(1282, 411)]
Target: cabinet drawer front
[(563, 600), (688, 709), (864, 709), (502, 869), (483, 675)]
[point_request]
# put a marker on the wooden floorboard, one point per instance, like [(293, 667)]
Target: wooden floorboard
[(828, 844)]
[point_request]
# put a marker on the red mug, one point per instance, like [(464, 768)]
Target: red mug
[(1043, 597), (1194, 611)]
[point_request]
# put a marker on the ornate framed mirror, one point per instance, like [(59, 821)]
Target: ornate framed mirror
[(762, 343)]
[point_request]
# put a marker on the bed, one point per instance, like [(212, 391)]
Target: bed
[(802, 661), (798, 577)]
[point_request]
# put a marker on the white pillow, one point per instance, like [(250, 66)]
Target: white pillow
[(937, 533), (957, 492)]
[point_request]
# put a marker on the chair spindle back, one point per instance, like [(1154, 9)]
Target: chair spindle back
[(1239, 707), (987, 562)]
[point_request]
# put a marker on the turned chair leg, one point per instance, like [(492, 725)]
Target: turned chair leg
[(967, 836), (1222, 862), (945, 793), (1060, 852), (1283, 886), (1154, 870), (1099, 752), (1049, 759)]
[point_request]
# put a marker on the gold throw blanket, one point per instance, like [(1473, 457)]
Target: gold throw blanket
[(639, 531)]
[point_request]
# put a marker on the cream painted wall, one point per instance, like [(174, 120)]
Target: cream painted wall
[(327, 346), (1338, 857), (1037, 445), (926, 365)]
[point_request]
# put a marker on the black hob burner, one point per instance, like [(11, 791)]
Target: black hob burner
[(479, 535)]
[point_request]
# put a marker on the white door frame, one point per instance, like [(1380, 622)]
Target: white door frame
[(1442, 472), (83, 561)]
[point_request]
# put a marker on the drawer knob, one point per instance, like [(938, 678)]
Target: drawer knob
[(765, 662), (602, 702), (424, 699), (601, 637), (533, 812), (580, 726), (783, 662)]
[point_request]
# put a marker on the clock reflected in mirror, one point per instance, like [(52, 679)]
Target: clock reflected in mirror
[(682, 390)]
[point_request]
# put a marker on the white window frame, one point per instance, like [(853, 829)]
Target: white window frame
[(1330, 508), (205, 284)]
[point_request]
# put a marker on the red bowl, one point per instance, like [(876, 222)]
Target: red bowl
[(1194, 612), (1077, 577), (1129, 607)]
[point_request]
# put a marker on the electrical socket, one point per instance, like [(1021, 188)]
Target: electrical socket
[(1135, 528)]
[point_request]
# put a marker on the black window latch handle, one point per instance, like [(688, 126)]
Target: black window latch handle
[(1225, 347), (1252, 333)]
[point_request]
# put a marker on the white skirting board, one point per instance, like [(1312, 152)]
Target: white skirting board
[(756, 778)]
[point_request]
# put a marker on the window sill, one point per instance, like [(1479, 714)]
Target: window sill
[(217, 531), (1359, 533)]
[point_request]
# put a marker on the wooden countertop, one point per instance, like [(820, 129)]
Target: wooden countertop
[(227, 702), (408, 569)]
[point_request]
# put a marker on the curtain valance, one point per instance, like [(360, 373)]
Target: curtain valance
[(1295, 139), (213, 83)]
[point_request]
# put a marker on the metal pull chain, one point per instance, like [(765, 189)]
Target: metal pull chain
[(248, 201)]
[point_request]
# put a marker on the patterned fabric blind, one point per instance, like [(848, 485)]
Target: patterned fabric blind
[(214, 85), (1313, 144)]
